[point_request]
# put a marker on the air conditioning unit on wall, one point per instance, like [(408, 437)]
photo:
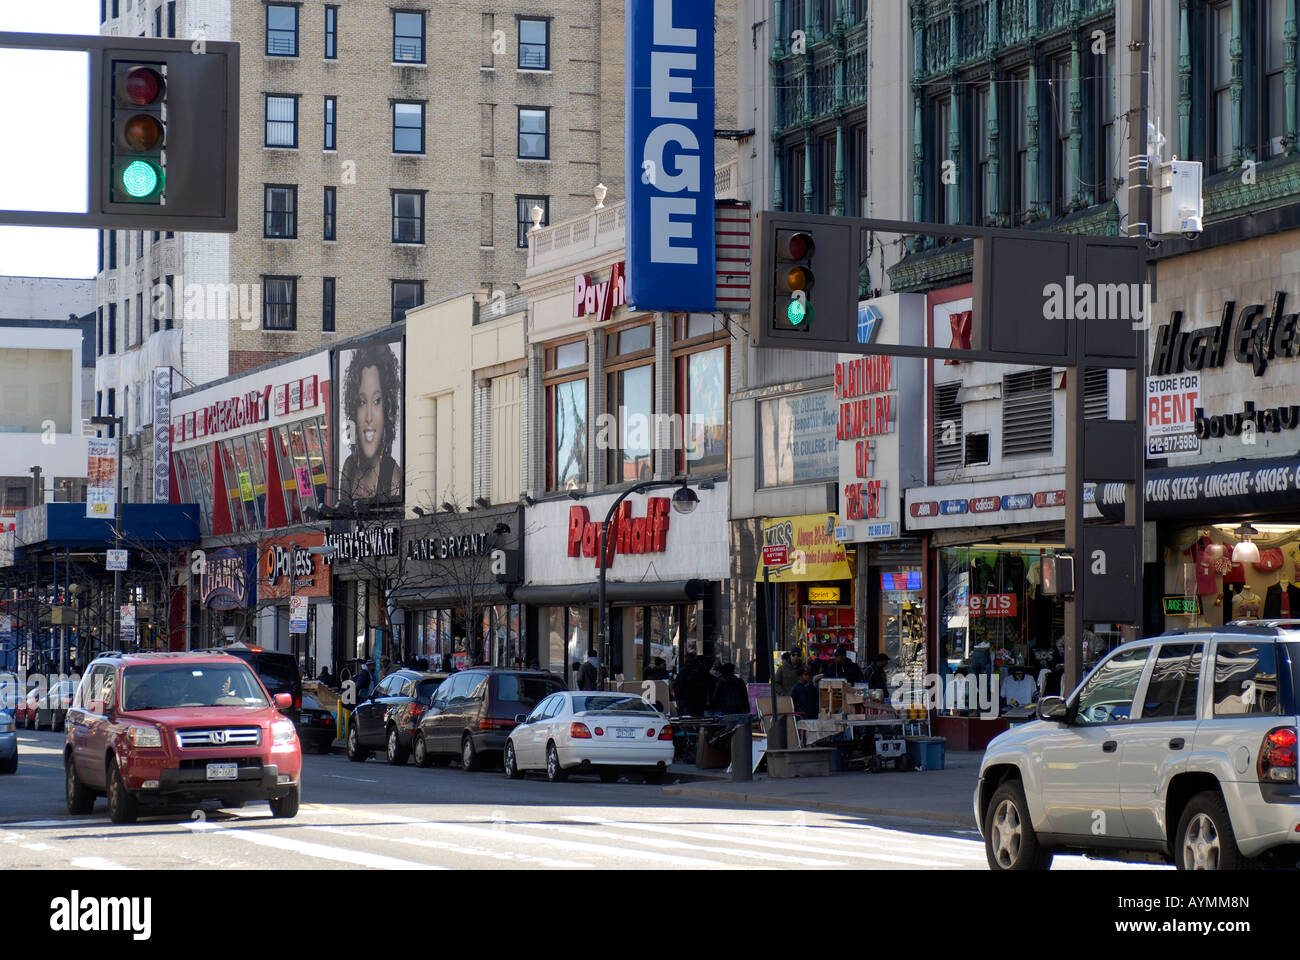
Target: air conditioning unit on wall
[(1178, 207)]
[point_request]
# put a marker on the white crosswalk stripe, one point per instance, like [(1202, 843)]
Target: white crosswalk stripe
[(320, 851), (854, 836), (461, 850), (682, 845), (97, 863)]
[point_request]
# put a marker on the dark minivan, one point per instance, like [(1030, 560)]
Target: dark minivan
[(278, 671), (474, 710)]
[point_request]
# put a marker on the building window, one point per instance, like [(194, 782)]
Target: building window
[(327, 304), (408, 216), (126, 324), (111, 343), (630, 372), (939, 157), (947, 425), (1096, 393), (281, 211), (487, 130), (1027, 412), (534, 133), (485, 220), (1272, 108), (171, 18), (281, 121), (279, 303), (407, 295), (331, 33), (139, 244), (99, 334), (524, 215), (1220, 56), (156, 311), (408, 128), (1018, 122), (701, 383), (1101, 94), (281, 30), (157, 21), (1064, 179), (331, 104), (566, 415), (408, 37), (981, 202), (328, 228), (139, 318), (170, 313), (112, 249), (534, 44)]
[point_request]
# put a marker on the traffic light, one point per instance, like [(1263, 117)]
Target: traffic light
[(139, 132), (804, 288), (164, 135), (795, 279)]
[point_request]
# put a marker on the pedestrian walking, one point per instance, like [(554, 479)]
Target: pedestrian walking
[(805, 697), (730, 695), (787, 675), (589, 672)]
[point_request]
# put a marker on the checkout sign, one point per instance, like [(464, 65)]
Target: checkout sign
[(669, 104)]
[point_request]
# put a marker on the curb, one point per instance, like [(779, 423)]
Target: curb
[(828, 805)]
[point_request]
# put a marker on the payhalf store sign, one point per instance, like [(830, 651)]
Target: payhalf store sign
[(1255, 335)]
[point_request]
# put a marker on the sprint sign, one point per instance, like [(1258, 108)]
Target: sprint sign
[(669, 149)]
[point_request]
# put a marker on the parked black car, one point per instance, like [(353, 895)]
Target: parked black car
[(316, 725), (278, 671), (387, 719), (474, 711)]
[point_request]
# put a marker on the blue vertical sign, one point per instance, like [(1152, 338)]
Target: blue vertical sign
[(669, 156)]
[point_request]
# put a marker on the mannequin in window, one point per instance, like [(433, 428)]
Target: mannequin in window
[(1282, 601), (1246, 604)]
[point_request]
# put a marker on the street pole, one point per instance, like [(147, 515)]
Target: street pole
[(293, 588)]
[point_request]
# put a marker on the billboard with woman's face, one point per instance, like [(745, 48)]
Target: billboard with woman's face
[(370, 423)]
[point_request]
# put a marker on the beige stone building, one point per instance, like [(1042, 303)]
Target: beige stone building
[(391, 154)]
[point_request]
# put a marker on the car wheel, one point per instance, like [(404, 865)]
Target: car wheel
[(511, 763), (287, 806), (56, 722), (1205, 839), (468, 755), (554, 772), (397, 753), (80, 799), (122, 806), (1010, 842), (355, 753), (655, 776), (422, 758), (609, 776)]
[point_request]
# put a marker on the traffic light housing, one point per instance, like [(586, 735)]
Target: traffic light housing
[(804, 288), (163, 137)]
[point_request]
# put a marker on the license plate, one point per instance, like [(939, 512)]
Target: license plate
[(624, 733), (223, 771)]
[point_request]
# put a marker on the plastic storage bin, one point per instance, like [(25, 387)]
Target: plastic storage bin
[(927, 753)]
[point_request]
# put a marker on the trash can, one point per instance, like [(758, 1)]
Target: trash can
[(927, 753)]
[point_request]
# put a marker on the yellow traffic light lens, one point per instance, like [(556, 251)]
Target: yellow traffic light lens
[(142, 132), (797, 279), (141, 178)]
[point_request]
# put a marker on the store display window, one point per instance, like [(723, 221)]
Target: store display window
[(1215, 573)]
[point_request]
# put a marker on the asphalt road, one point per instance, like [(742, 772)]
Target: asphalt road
[(373, 815)]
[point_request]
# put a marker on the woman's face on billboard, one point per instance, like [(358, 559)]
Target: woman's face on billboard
[(370, 415)]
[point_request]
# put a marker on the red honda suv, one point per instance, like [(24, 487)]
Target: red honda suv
[(171, 729)]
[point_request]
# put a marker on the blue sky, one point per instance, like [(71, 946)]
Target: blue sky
[(50, 173)]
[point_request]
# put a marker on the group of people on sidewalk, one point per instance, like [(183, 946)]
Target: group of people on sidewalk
[(798, 680)]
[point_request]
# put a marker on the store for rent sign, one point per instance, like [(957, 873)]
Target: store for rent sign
[(870, 392), (1172, 402)]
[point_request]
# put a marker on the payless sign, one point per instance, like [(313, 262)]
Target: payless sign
[(669, 147)]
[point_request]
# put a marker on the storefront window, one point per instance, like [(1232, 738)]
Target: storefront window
[(901, 626), (256, 443), (797, 439), (630, 396), (244, 477), (566, 416), (551, 621), (196, 461), (288, 481), (301, 467), (315, 432), (238, 519)]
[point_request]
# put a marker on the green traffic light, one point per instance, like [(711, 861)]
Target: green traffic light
[(140, 178), (796, 312)]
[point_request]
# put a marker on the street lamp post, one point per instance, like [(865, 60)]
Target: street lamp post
[(684, 501), (118, 424)]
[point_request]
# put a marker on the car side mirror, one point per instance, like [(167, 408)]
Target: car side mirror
[(1054, 709), (96, 707), (283, 701), (521, 718)]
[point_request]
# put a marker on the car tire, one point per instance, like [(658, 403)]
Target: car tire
[(510, 762), (397, 754), (355, 753), (421, 752), (286, 807), (609, 776), (57, 722), (1010, 842), (468, 755), (10, 765), (81, 799), (554, 772), (122, 806), (654, 777), (1205, 840), (327, 747)]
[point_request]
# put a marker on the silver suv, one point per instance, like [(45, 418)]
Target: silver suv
[(1180, 748)]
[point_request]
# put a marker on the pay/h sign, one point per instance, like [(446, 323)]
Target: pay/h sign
[(776, 555)]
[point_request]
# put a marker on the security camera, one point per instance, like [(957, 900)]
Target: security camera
[(1153, 243)]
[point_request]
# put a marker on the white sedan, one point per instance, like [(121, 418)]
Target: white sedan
[(578, 731)]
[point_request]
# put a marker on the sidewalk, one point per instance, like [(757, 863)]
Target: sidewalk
[(942, 796)]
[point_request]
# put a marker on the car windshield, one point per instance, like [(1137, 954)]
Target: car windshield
[(164, 686), (605, 703), (278, 675), (310, 703), (425, 691)]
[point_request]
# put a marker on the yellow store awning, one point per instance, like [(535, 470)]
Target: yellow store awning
[(815, 554)]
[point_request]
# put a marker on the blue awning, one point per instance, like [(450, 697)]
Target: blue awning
[(65, 526)]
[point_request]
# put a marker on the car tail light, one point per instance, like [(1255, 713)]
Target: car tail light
[(488, 723), (416, 710), (1277, 756), (667, 732), (600, 731), (579, 731), (650, 732), (297, 703)]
